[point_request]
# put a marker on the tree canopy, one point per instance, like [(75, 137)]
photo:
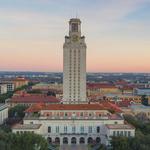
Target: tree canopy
[(24, 141), (17, 111)]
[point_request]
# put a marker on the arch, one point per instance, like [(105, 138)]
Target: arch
[(73, 140), (98, 140), (65, 140), (49, 139), (82, 140), (90, 140), (57, 140)]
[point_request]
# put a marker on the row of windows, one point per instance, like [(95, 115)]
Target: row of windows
[(21, 132), (122, 133), (82, 129)]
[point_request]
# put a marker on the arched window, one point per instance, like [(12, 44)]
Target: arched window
[(49, 140), (65, 140), (82, 140), (98, 140), (73, 140), (90, 140), (57, 140)]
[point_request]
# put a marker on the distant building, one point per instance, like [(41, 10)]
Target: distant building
[(19, 82), (3, 112), (99, 88), (48, 86), (10, 87), (140, 109), (124, 97), (9, 84), (3, 88), (142, 91)]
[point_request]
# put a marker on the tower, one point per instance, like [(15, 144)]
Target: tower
[(74, 65)]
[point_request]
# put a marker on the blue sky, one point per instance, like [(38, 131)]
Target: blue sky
[(117, 34)]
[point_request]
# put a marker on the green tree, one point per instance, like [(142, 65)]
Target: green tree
[(17, 111), (25, 141), (3, 97), (120, 143)]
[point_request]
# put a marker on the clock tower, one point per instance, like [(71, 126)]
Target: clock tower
[(74, 65)]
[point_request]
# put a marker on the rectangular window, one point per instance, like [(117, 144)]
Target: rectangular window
[(121, 133), (114, 133), (57, 129), (65, 129), (73, 129), (49, 129), (90, 129), (98, 129), (129, 133), (81, 114), (117, 133), (82, 129), (125, 133)]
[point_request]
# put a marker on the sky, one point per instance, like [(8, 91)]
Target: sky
[(117, 34)]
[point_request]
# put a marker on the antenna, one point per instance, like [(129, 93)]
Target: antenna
[(76, 15)]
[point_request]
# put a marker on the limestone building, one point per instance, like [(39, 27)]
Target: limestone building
[(74, 65)]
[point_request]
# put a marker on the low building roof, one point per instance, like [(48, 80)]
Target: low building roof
[(26, 126), (120, 126)]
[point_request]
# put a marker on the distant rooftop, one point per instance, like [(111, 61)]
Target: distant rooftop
[(139, 106), (34, 99)]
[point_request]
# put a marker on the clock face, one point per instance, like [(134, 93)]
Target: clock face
[(75, 38)]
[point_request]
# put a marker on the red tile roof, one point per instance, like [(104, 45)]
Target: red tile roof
[(38, 107), (100, 85), (34, 99), (20, 79)]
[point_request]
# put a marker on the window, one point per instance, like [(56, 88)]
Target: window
[(73, 129), (65, 129), (90, 129), (49, 129), (82, 129), (98, 129), (125, 133), (129, 133), (90, 114), (81, 114), (66, 114), (121, 133), (57, 129), (117, 133), (74, 27), (114, 133)]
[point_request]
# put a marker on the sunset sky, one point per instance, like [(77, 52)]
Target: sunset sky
[(117, 34)]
